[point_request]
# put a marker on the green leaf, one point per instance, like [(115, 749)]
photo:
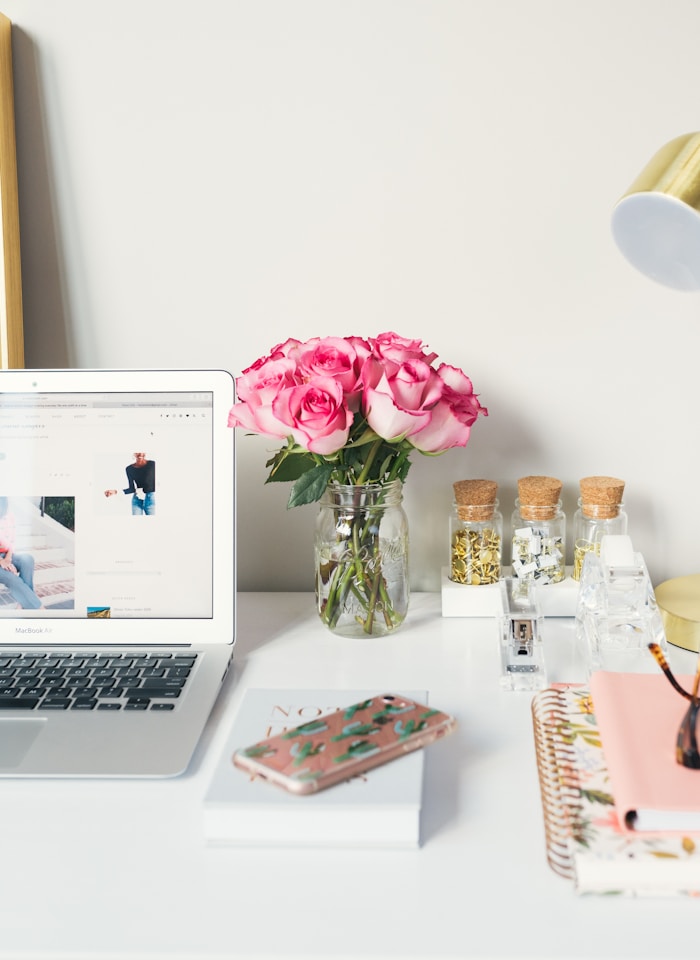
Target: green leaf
[(368, 436), (310, 485), (290, 466), (386, 465)]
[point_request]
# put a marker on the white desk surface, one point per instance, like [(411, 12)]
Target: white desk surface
[(107, 869)]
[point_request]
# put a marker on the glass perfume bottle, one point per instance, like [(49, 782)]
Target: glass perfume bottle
[(600, 513), (538, 545), (476, 533)]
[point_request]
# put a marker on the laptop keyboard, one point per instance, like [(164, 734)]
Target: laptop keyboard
[(46, 680)]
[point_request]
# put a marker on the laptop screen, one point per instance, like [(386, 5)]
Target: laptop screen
[(107, 504)]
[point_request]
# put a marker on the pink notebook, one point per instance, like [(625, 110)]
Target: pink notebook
[(638, 717)]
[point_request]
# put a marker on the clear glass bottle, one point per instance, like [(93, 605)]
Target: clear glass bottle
[(476, 533), (600, 513), (538, 524)]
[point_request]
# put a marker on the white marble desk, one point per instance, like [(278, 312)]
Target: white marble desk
[(107, 869)]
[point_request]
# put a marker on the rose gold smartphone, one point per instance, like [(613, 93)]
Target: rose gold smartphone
[(345, 743)]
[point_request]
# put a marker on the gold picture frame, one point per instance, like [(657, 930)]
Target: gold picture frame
[(11, 319)]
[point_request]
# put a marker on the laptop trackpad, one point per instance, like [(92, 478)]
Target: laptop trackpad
[(16, 737)]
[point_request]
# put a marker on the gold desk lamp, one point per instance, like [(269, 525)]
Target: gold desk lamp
[(656, 225)]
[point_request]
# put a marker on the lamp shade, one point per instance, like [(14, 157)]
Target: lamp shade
[(656, 224)]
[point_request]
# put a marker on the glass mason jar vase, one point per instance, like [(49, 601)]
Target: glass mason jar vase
[(361, 551)]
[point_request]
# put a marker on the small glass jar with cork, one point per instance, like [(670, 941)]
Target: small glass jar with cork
[(476, 533), (538, 546), (600, 512)]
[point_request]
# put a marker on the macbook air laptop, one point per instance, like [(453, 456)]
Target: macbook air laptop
[(117, 579)]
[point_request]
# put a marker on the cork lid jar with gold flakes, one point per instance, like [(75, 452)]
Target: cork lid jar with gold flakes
[(476, 533)]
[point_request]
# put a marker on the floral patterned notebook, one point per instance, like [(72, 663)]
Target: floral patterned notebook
[(585, 842)]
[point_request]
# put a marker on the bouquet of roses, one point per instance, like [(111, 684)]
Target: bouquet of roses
[(351, 411)]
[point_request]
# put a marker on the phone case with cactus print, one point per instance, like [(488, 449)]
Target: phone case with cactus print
[(345, 743)]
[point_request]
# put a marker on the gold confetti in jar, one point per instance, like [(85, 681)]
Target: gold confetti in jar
[(538, 546), (476, 533), (600, 512)]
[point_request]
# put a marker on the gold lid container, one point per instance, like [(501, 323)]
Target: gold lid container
[(679, 605)]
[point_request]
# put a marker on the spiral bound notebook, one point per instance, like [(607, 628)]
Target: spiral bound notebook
[(585, 842)]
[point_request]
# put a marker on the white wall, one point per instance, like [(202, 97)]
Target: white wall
[(199, 181)]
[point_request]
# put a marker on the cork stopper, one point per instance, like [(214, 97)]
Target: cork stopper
[(475, 499), (539, 497), (601, 496)]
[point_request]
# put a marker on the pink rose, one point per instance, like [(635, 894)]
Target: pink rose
[(257, 388), (315, 414), (395, 349), (361, 347), (398, 398), (335, 357), (452, 416), (279, 351), (284, 349)]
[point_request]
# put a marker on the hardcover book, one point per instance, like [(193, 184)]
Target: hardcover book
[(585, 839), (378, 809)]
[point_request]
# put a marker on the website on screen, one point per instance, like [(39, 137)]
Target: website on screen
[(106, 505)]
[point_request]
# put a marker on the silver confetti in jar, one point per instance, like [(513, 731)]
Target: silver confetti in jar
[(538, 545)]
